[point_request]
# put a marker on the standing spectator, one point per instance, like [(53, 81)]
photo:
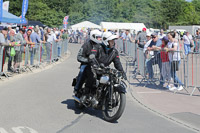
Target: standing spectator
[(18, 56), (142, 38), (70, 36), (58, 38), (197, 41), (155, 58), (8, 49), (123, 35), (149, 39), (74, 36), (146, 52), (161, 34), (128, 36), (175, 60), (32, 46), (49, 38), (65, 35), (85, 36), (5, 42), (187, 41), (11, 39), (136, 37), (166, 66), (35, 38), (17, 29), (43, 40)]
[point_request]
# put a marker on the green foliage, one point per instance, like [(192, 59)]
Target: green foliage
[(154, 13)]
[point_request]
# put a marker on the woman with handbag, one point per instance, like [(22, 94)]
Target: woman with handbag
[(175, 60), (188, 43)]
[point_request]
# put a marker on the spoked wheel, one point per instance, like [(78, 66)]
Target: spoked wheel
[(113, 112)]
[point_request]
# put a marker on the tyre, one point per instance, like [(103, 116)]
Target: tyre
[(112, 113)]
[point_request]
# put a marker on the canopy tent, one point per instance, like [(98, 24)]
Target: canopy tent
[(122, 26), (85, 24), (10, 18)]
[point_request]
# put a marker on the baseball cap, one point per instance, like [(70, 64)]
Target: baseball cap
[(5, 28), (144, 29), (165, 38), (154, 34), (149, 34)]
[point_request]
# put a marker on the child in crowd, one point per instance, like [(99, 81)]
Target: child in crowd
[(166, 67)]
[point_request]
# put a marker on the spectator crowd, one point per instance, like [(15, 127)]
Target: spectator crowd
[(17, 40), (165, 50)]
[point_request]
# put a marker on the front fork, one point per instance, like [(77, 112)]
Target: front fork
[(110, 92)]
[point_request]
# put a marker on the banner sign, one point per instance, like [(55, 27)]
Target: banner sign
[(24, 10), (6, 6), (65, 22), (1, 10)]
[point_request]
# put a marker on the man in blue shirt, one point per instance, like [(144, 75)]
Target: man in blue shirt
[(155, 58), (35, 39)]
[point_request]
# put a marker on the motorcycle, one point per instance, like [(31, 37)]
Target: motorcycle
[(109, 94)]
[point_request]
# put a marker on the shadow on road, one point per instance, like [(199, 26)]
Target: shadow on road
[(96, 113), (70, 105)]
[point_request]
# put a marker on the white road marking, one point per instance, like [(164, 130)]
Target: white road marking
[(19, 129)]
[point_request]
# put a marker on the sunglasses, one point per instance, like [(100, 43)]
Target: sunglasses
[(153, 37)]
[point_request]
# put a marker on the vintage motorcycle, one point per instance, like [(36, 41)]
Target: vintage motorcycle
[(109, 94)]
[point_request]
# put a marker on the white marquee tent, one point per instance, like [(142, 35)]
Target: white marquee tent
[(122, 26), (85, 24)]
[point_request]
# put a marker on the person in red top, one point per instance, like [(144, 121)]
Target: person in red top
[(166, 67)]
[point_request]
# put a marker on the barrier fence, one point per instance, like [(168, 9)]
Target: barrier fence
[(157, 67), (32, 57)]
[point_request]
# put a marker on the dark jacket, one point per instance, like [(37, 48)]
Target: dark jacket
[(111, 55), (88, 48)]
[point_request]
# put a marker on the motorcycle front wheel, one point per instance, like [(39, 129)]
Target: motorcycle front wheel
[(112, 112)]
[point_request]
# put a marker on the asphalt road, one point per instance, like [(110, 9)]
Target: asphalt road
[(42, 103)]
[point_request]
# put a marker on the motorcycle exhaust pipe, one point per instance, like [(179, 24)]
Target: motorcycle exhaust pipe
[(77, 99)]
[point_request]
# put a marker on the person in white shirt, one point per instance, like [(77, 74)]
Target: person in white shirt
[(49, 38), (148, 41), (175, 60), (187, 38), (161, 34)]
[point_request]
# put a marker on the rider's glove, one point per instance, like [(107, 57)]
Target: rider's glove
[(124, 75)]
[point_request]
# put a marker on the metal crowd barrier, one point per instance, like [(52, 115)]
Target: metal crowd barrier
[(1, 60), (197, 45), (173, 69), (193, 71), (127, 47), (183, 73), (43, 53)]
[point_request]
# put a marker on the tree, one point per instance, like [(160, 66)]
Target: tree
[(153, 13)]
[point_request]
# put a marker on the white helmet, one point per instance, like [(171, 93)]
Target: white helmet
[(107, 36), (94, 34)]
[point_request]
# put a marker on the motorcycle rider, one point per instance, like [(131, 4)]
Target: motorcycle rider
[(111, 53), (90, 47)]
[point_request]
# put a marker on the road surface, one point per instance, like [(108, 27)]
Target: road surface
[(42, 103)]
